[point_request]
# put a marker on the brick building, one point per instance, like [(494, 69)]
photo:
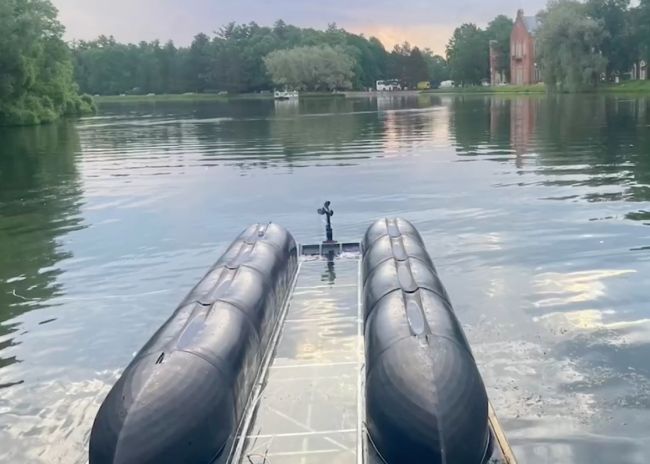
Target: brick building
[(523, 67)]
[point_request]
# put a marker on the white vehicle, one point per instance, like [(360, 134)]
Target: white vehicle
[(388, 85), (447, 84)]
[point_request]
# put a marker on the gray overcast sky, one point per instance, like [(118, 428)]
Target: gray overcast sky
[(427, 23)]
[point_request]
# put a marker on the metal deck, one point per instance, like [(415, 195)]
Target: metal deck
[(309, 409)]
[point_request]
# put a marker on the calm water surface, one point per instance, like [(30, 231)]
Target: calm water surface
[(537, 212)]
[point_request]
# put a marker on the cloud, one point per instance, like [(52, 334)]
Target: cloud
[(421, 22), (434, 36)]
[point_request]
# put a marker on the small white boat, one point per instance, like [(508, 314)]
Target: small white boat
[(286, 94)]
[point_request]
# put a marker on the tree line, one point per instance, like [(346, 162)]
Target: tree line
[(578, 44), (36, 71), (246, 58), (42, 78)]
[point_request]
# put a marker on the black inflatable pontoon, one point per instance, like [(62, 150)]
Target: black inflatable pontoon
[(247, 370), (182, 398), (425, 400)]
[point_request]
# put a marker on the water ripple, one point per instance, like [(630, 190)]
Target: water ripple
[(535, 210)]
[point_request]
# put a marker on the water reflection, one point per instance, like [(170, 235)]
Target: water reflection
[(40, 197), (329, 274), (306, 132), (523, 118), (575, 140), (534, 208)]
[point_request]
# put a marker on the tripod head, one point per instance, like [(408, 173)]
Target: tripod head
[(328, 213), (325, 210)]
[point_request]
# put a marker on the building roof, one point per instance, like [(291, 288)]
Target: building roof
[(531, 23)]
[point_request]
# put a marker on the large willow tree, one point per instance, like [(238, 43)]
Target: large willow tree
[(36, 71), (311, 68), (569, 47)]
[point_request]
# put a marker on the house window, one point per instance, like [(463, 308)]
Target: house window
[(518, 49)]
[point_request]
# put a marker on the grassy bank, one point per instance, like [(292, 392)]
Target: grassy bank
[(198, 97), (188, 97), (630, 87), (633, 87), (505, 89)]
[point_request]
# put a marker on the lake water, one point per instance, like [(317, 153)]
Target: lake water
[(536, 212)]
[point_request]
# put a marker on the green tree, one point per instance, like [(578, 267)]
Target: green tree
[(500, 29), (170, 68), (311, 68), (104, 66), (639, 18), (568, 47), (36, 72), (408, 64), (107, 67), (468, 55), (417, 68), (437, 65), (199, 63), (617, 45), (370, 59)]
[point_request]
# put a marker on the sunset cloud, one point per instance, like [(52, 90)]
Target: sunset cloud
[(424, 23), (433, 36)]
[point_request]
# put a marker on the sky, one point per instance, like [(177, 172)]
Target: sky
[(426, 23)]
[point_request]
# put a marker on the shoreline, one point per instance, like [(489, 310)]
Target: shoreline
[(630, 88), (200, 97)]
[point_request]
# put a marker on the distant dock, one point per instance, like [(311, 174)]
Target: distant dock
[(375, 94)]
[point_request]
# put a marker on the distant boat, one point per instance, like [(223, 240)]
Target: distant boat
[(286, 94)]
